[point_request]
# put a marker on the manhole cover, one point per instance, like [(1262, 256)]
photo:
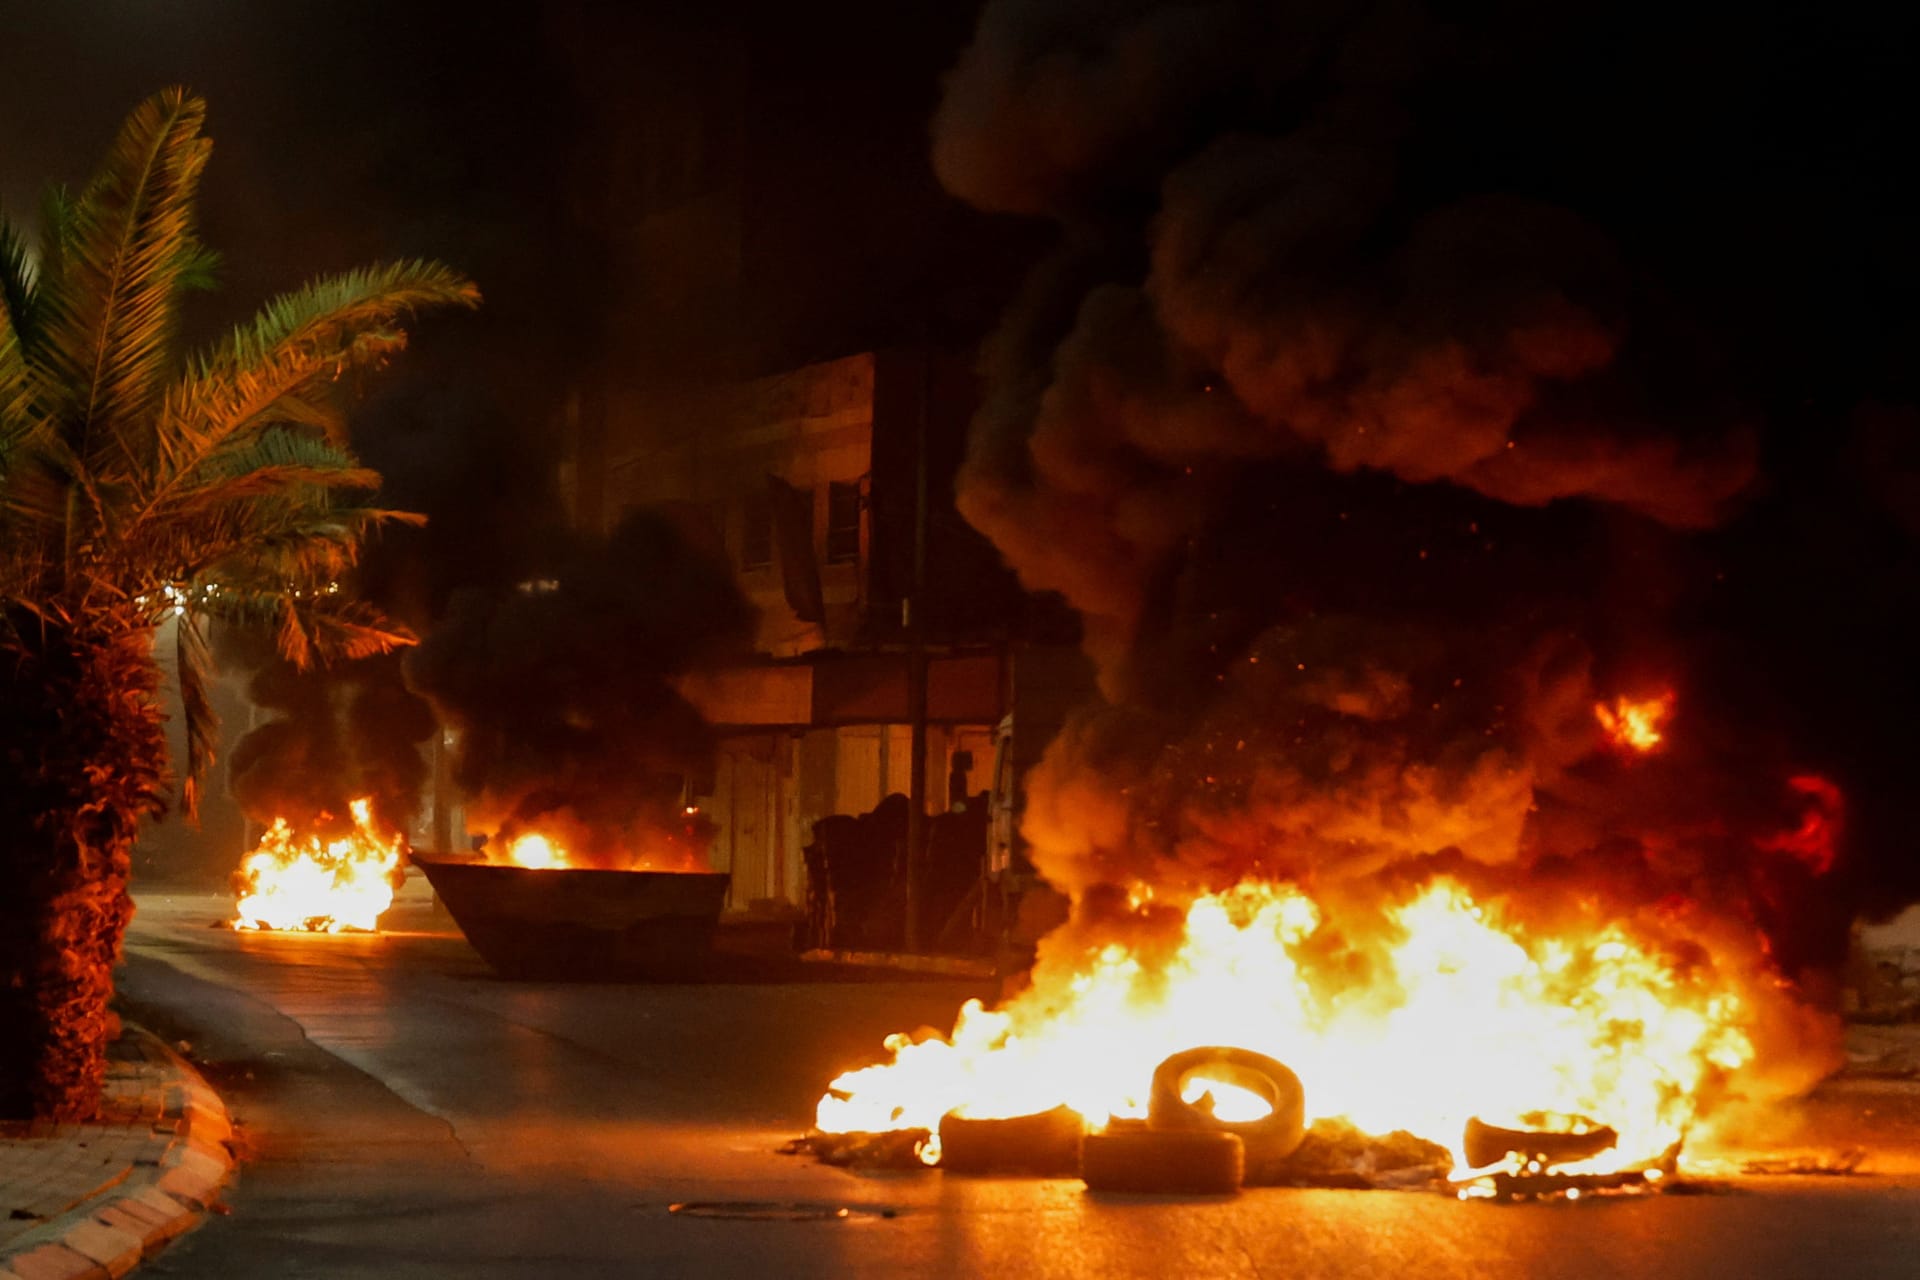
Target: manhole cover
[(780, 1210)]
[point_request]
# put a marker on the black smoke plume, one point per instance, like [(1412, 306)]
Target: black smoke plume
[(1413, 378), (558, 691), (336, 736)]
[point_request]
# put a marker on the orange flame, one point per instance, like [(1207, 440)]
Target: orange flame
[(1419, 1018), (536, 852), (1635, 724), (319, 886), (571, 849)]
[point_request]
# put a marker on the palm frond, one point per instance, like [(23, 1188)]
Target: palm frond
[(18, 280), (192, 668), (268, 463), (313, 626), (278, 370), (33, 502), (56, 233), (127, 240), (16, 391), (294, 541), (200, 269), (136, 487), (17, 304), (355, 631), (302, 341)]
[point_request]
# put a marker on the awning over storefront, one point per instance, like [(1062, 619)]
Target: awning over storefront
[(759, 695)]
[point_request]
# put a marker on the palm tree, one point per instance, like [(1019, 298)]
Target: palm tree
[(139, 484)]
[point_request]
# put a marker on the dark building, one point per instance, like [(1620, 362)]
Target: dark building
[(788, 313)]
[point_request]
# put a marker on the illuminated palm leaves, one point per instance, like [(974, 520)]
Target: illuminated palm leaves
[(137, 480)]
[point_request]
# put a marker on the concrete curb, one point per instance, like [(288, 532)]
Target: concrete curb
[(160, 1197)]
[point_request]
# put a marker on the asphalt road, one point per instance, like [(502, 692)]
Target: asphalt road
[(406, 1114)]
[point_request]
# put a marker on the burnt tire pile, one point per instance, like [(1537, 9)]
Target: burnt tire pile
[(1182, 1148), (1047, 1143)]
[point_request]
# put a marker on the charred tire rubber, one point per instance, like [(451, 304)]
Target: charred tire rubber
[(1046, 1143), (1483, 1144), (1203, 1162), (1268, 1140)]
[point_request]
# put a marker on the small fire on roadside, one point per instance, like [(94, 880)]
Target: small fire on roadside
[(315, 883)]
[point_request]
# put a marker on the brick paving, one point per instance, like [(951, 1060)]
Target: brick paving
[(79, 1193)]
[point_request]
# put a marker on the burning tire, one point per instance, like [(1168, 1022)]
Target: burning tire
[(1484, 1144), (1268, 1139), (1206, 1162), (1046, 1143)]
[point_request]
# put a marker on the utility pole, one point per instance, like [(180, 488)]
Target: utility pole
[(915, 620)]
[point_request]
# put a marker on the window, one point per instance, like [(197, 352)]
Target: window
[(756, 531), (843, 522)]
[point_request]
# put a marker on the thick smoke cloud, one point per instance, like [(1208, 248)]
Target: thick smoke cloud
[(333, 737), (558, 691), (1410, 381), (1307, 286)]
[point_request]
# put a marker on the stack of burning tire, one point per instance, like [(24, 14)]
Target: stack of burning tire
[(1187, 1145)]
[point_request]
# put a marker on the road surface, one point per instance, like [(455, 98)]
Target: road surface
[(406, 1114)]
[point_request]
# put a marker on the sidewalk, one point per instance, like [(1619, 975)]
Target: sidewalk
[(92, 1200)]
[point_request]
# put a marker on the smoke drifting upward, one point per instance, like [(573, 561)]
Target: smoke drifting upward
[(558, 691), (1410, 383), (352, 729), (336, 736)]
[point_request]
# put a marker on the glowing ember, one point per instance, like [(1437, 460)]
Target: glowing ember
[(536, 853), (318, 885), (1635, 724), (1414, 1016)]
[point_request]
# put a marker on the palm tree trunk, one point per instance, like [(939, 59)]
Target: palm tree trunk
[(82, 761)]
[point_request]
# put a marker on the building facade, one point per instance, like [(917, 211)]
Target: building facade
[(781, 354), (798, 480)]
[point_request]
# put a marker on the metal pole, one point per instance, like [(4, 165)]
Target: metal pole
[(917, 660)]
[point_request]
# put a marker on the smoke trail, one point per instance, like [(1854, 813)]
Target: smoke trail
[(558, 691)]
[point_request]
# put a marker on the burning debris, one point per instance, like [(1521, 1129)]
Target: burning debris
[(335, 777), (536, 853), (1386, 484), (1392, 1014), (573, 747), (320, 883), (1338, 1155)]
